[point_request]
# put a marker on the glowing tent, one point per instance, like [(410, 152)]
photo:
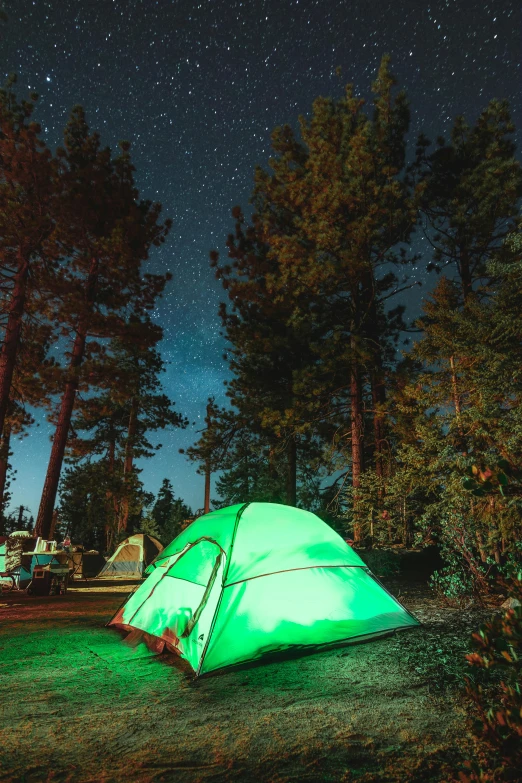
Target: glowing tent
[(132, 556), (255, 579)]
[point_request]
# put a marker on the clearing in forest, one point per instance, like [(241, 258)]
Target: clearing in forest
[(78, 704)]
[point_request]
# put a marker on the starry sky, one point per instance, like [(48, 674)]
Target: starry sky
[(197, 86)]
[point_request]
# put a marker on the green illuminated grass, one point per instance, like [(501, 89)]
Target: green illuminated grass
[(77, 704)]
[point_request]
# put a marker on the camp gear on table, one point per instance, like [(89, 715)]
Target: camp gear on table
[(49, 572)]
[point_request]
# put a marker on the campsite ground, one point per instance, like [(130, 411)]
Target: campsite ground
[(77, 704)]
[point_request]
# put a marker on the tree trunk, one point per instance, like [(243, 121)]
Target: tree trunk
[(481, 547), (12, 335), (45, 512), (4, 464), (458, 409), (356, 415), (206, 506), (373, 340), (465, 273), (408, 527), (128, 464), (291, 475), (455, 392), (377, 382), (208, 421), (378, 401), (112, 503), (272, 470), (467, 288), (54, 523)]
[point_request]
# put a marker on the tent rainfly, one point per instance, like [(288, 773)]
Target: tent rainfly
[(254, 579), (132, 556)]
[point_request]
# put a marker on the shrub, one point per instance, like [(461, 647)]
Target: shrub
[(453, 586), (498, 705)]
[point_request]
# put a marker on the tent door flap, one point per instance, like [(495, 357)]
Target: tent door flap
[(197, 614)]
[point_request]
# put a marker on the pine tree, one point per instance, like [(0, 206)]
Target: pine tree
[(28, 249), (16, 423), (106, 232), (149, 409), (267, 350), (210, 452), (163, 504), (470, 194), (31, 385), (114, 425), (98, 435), (335, 214), (170, 514), (83, 505), (461, 402), (251, 473), (468, 499)]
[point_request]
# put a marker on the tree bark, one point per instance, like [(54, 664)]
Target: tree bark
[(455, 392), (272, 470), (45, 512), (458, 408), (377, 382), (4, 464), (408, 527), (291, 475), (208, 421), (465, 273), (206, 506), (54, 523), (112, 503), (356, 416), (378, 401), (12, 335), (128, 464)]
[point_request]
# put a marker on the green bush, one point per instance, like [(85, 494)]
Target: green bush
[(453, 586), (498, 703)]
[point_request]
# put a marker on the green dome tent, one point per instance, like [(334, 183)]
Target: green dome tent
[(254, 579)]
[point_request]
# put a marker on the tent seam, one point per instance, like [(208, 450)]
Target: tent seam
[(289, 570), (180, 555), (227, 565)]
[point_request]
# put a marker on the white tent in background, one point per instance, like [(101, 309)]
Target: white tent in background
[(132, 556)]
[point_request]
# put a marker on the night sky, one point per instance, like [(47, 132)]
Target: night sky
[(197, 88)]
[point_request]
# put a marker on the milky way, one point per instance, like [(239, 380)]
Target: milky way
[(197, 87)]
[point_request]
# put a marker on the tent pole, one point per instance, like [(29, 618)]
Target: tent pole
[(224, 579)]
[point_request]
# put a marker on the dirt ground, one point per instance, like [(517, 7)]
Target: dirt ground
[(77, 704)]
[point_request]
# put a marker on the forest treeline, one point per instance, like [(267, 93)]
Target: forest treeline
[(329, 409)]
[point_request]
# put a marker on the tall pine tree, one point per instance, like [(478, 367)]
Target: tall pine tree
[(105, 232), (336, 212), (28, 247)]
